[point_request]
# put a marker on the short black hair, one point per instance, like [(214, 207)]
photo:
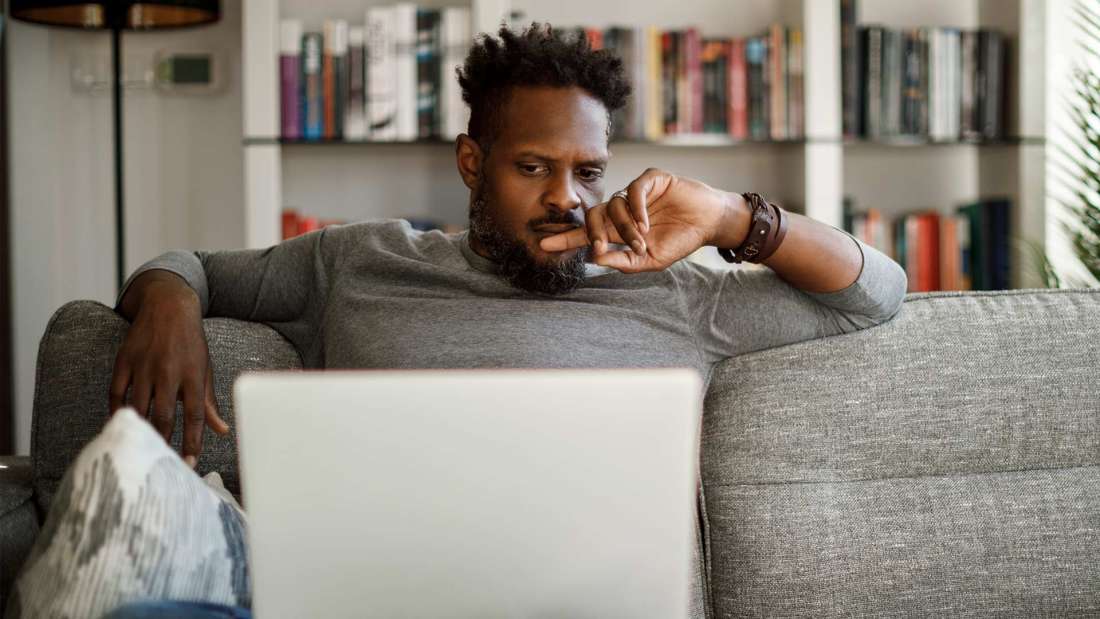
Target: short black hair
[(539, 56)]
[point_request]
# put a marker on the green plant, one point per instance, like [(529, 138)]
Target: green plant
[(1083, 158)]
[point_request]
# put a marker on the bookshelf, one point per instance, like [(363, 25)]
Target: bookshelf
[(809, 175)]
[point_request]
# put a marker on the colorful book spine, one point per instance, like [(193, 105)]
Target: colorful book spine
[(355, 106), (427, 72), (795, 114), (755, 56), (332, 64), (654, 125), (313, 124), (850, 68), (738, 91), (639, 71), (670, 115), (290, 67), (381, 74), (694, 74), (405, 64), (777, 65)]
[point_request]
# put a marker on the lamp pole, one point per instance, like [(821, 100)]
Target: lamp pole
[(116, 24)]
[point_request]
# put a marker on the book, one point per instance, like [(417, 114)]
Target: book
[(738, 91), (871, 47), (312, 97), (850, 68), (333, 75), (777, 68), (669, 95), (755, 54), (655, 105), (968, 92), (427, 72), (381, 73), (404, 32), (355, 105), (694, 75), (990, 83), (290, 46), (713, 69), (795, 105)]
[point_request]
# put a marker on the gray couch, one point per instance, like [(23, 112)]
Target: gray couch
[(945, 463)]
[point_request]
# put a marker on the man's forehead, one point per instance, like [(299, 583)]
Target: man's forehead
[(555, 123)]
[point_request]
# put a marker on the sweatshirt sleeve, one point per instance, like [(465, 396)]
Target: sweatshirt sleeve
[(733, 312), (283, 285)]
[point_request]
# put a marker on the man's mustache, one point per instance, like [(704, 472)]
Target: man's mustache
[(575, 218)]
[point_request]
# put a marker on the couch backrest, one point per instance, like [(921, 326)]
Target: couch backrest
[(76, 359), (943, 462)]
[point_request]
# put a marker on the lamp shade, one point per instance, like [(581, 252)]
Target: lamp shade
[(120, 14)]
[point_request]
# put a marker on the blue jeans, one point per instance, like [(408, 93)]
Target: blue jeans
[(170, 609)]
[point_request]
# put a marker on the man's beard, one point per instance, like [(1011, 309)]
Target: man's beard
[(515, 262)]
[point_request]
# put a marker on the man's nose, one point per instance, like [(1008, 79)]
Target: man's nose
[(562, 194)]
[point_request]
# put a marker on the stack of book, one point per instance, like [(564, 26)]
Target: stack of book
[(966, 250), (939, 84), (390, 78), (747, 88)]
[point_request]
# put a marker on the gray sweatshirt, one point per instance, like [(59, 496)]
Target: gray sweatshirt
[(379, 294)]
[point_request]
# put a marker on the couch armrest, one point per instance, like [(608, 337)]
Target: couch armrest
[(18, 520)]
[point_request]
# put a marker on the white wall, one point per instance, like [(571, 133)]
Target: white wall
[(183, 174)]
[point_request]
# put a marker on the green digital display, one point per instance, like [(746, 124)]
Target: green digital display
[(190, 70)]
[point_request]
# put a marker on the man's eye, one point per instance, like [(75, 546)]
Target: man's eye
[(530, 168), (591, 175)]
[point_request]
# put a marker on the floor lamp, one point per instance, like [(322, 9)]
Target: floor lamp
[(116, 16)]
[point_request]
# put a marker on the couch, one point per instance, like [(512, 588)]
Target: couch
[(944, 463)]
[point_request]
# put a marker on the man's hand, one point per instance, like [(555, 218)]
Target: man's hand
[(165, 358), (664, 218)]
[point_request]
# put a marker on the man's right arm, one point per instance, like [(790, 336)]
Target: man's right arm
[(164, 356)]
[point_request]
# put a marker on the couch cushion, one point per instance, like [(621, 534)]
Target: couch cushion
[(965, 430), (75, 360)]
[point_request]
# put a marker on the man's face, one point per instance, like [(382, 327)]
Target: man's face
[(544, 169)]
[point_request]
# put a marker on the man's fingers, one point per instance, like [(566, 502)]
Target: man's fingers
[(577, 237), (119, 382), (193, 415), (637, 199), (624, 222), (141, 394), (210, 404), (164, 408)]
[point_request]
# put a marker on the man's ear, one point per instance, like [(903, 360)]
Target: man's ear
[(468, 157)]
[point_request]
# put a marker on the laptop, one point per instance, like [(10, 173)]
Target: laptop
[(469, 493)]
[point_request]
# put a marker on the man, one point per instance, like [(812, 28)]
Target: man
[(534, 282)]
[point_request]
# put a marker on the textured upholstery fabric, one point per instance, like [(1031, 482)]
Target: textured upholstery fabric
[(131, 522), (18, 530), (75, 362), (946, 462)]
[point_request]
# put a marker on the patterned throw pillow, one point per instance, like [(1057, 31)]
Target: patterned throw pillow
[(132, 522)]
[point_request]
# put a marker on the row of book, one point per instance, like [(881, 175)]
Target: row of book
[(390, 78), (965, 250), (393, 78), (942, 84), (747, 88)]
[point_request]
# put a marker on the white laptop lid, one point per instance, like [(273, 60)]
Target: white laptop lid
[(470, 493)]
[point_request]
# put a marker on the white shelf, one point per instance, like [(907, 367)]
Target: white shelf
[(369, 179)]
